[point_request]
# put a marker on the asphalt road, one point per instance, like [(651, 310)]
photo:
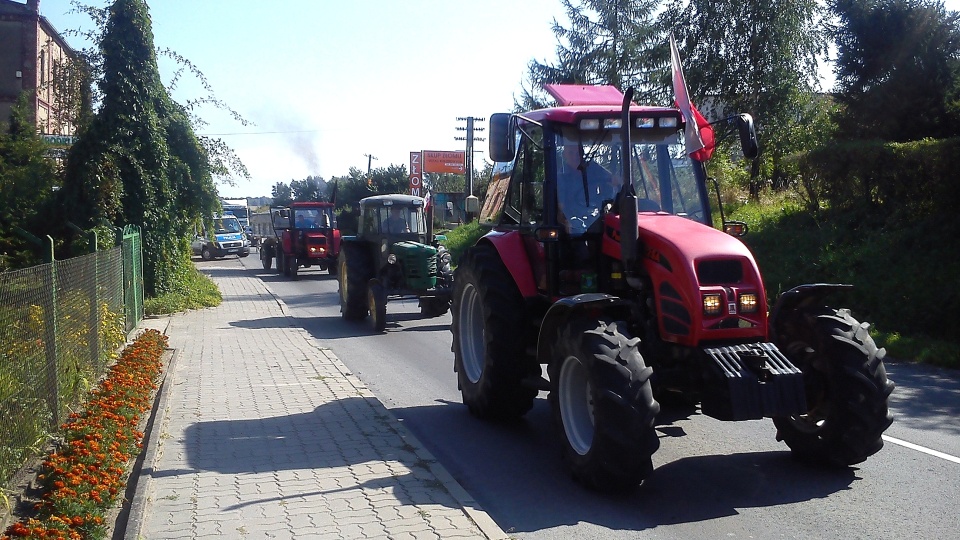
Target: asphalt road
[(712, 479)]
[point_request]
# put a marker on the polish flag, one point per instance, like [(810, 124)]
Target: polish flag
[(698, 134)]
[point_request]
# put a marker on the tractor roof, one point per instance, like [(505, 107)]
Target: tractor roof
[(311, 204), (575, 101), (395, 198)]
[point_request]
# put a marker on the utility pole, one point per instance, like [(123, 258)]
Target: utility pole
[(472, 204), (370, 159)]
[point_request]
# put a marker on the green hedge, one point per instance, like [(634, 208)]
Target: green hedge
[(912, 180)]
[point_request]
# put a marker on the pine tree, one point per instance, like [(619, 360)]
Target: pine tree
[(613, 42)]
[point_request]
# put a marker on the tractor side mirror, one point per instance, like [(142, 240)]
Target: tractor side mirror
[(502, 140), (748, 136)]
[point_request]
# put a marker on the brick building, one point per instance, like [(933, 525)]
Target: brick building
[(33, 56)]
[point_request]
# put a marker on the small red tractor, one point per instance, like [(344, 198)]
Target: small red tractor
[(305, 235), (625, 295)]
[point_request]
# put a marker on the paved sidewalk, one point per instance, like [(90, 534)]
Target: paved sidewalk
[(261, 432)]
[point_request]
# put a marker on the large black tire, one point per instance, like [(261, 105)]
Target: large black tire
[(488, 326), (377, 305), (846, 387), (603, 404), (281, 260), (266, 258), (293, 266), (354, 270), (434, 306)]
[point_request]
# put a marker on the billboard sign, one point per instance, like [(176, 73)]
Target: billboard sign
[(416, 175), (436, 161)]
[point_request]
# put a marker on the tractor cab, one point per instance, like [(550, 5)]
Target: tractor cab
[(394, 218)]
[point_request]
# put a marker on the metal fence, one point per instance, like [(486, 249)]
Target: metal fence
[(61, 324)]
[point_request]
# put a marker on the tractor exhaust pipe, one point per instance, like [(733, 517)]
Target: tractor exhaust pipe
[(628, 198)]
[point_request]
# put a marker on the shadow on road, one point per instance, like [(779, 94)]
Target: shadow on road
[(517, 476)]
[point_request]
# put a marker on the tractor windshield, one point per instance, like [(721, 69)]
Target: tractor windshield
[(590, 171), (396, 219)]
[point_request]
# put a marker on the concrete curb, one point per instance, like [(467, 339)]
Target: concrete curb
[(139, 504)]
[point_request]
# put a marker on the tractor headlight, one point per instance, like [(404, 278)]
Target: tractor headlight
[(712, 305), (668, 122), (391, 259), (748, 303)]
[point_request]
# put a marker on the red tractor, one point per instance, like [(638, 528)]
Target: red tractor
[(625, 294), (305, 235)]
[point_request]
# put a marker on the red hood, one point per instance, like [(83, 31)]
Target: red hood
[(688, 238)]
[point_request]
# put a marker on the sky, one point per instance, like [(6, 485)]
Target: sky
[(325, 84)]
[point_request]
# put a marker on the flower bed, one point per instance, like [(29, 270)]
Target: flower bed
[(84, 477)]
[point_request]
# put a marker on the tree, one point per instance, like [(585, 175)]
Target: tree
[(613, 42), (282, 194), (139, 161), (313, 188), (27, 182), (756, 56), (897, 69)]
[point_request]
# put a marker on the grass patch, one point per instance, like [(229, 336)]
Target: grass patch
[(459, 239), (195, 292)]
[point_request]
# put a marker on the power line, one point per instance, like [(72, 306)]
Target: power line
[(259, 133)]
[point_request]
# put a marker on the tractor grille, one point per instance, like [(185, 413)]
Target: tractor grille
[(419, 264)]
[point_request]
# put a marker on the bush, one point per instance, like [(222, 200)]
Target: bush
[(898, 268)]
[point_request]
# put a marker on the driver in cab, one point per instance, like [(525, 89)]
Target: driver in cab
[(395, 222), (582, 186)]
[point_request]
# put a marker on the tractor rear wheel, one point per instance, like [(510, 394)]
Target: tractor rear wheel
[(293, 265), (280, 262), (266, 257), (603, 405), (354, 270), (488, 325), (377, 304), (846, 387)]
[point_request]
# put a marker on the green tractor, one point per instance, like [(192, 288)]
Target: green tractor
[(393, 256)]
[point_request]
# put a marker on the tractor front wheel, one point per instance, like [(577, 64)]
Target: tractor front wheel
[(603, 405), (354, 270), (488, 322), (377, 304), (846, 385), (434, 306)]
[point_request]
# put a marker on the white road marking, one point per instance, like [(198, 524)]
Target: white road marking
[(923, 449)]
